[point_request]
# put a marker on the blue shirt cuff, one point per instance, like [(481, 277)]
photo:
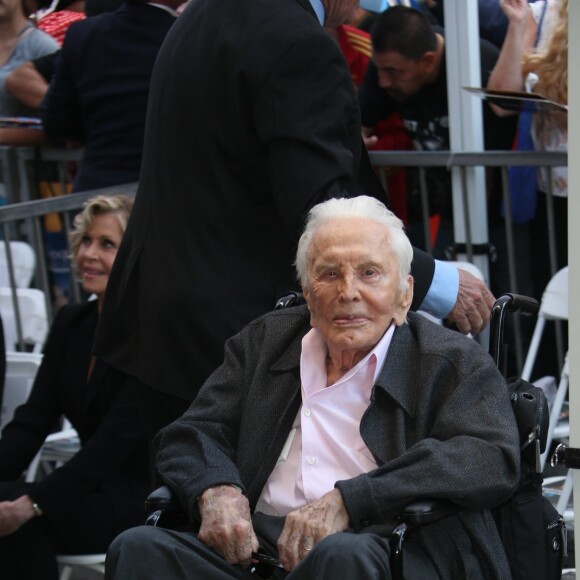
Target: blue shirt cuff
[(442, 293)]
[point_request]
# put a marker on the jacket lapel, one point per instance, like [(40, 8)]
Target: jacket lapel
[(285, 379), (399, 367), (385, 426)]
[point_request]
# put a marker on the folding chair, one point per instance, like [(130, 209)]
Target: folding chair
[(69, 561), (58, 448), (21, 369), (23, 261), (33, 317), (554, 306)]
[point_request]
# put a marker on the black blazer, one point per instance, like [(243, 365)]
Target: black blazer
[(253, 119), (114, 455), (98, 95)]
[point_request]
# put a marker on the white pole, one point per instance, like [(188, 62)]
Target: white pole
[(574, 243), (465, 120)]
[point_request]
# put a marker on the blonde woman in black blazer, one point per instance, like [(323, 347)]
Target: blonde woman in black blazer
[(81, 506)]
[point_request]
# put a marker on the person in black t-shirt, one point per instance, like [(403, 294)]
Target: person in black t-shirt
[(408, 74)]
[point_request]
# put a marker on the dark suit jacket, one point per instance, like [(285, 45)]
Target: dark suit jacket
[(98, 95), (439, 425), (113, 459), (245, 133)]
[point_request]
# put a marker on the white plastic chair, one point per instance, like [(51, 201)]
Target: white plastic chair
[(554, 306), (23, 261), (69, 561), (57, 449), (33, 318), (21, 369)]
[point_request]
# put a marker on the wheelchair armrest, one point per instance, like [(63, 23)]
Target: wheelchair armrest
[(416, 514), (162, 498), (162, 508), (426, 511)]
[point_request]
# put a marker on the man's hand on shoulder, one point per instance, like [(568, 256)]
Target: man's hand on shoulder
[(226, 524), (473, 306)]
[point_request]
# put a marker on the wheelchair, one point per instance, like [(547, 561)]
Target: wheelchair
[(527, 519)]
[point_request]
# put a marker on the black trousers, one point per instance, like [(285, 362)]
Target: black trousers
[(30, 552), (150, 553), (158, 410)]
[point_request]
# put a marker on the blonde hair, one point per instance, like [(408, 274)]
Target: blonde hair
[(551, 64), (119, 205)]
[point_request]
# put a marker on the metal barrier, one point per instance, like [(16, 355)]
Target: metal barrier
[(23, 220), (422, 160)]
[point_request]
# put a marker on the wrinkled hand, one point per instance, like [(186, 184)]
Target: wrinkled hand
[(309, 524), (226, 524), (473, 306), (14, 514), (516, 11)]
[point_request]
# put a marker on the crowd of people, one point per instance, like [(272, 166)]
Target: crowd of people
[(300, 433)]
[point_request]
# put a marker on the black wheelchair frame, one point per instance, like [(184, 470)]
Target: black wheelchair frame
[(162, 508)]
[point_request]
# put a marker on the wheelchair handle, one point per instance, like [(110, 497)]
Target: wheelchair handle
[(526, 305)]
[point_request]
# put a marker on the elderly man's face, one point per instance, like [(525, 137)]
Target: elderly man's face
[(353, 284)]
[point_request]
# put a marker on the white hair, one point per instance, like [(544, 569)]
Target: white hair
[(356, 207)]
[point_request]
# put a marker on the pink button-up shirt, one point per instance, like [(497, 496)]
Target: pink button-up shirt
[(324, 445)]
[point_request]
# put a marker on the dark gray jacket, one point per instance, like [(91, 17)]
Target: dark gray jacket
[(439, 425)]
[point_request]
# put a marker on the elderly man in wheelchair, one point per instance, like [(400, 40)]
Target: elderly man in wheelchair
[(325, 420)]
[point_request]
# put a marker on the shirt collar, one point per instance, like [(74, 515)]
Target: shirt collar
[(313, 357), (318, 7)]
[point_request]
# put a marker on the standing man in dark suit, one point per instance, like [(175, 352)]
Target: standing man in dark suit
[(252, 120), (98, 95)]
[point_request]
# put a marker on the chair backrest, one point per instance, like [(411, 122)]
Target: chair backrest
[(21, 369), (554, 306), (33, 317), (24, 263)]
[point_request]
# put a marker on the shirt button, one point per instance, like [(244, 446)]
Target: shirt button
[(311, 461), (307, 412)]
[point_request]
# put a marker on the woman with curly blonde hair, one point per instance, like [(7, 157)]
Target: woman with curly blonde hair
[(549, 61), (534, 58)]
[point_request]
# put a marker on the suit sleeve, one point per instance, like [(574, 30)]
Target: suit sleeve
[(307, 115), (61, 110), (207, 433)]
